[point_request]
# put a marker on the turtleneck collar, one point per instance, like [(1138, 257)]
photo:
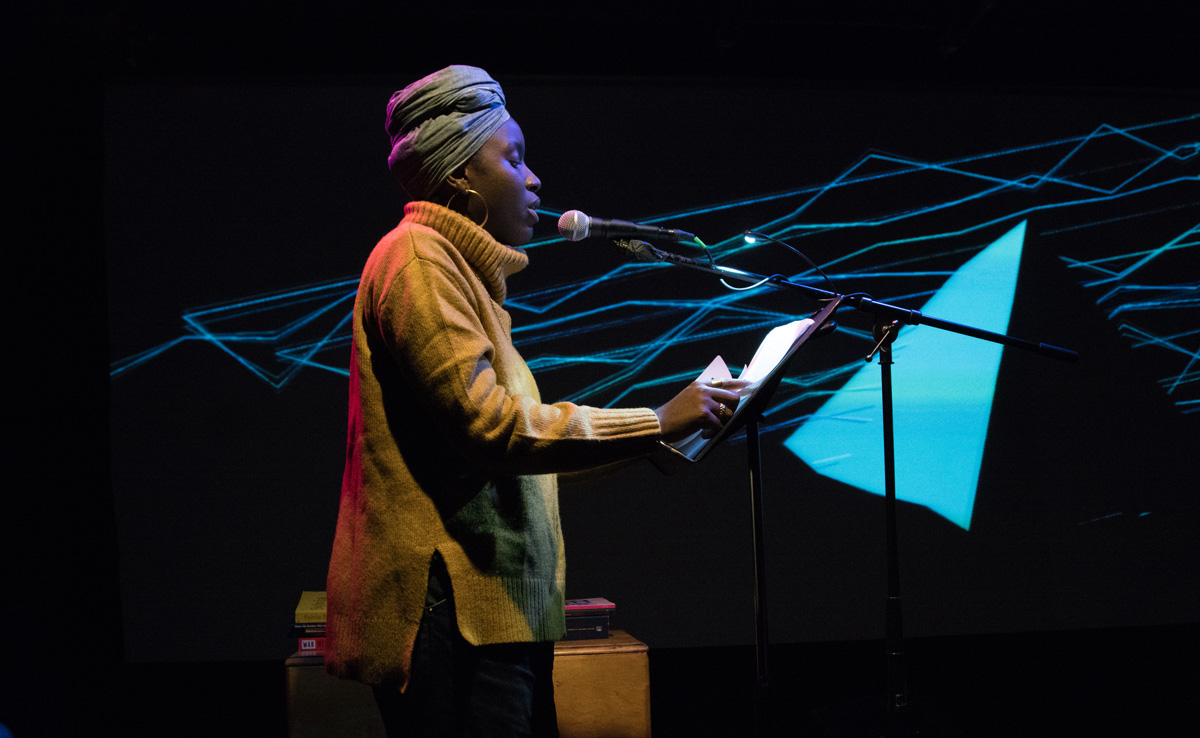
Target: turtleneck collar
[(491, 260)]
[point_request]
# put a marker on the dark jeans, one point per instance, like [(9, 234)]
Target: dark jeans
[(458, 690)]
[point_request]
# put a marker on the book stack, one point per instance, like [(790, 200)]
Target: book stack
[(590, 618), (310, 624)]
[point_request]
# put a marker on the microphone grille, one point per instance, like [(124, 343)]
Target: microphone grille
[(574, 225)]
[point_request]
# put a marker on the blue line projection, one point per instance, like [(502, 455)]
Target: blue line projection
[(1118, 205), (303, 325), (942, 396), (1157, 286)]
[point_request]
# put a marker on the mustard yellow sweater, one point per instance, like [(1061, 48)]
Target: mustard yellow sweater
[(450, 449)]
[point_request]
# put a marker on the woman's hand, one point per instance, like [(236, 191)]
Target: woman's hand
[(703, 406)]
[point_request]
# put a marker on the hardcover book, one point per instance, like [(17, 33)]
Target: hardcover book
[(588, 618), (589, 606), (311, 609)]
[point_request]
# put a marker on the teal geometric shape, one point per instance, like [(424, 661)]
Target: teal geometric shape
[(942, 388)]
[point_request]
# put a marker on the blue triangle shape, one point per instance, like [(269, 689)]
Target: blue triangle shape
[(942, 388)]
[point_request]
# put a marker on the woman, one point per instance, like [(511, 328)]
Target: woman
[(446, 580)]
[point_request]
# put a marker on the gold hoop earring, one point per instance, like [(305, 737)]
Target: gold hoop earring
[(468, 193)]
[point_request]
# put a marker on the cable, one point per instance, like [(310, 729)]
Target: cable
[(750, 236)]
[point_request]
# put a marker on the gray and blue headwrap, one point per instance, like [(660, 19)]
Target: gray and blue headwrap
[(438, 122)]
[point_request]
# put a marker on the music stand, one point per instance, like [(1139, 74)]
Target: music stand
[(888, 321), (748, 414)]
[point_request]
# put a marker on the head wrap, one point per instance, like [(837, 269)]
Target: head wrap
[(438, 122)]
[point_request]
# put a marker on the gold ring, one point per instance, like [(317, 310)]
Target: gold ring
[(721, 410), (717, 383)]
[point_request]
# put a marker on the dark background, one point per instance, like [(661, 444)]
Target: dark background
[(84, 84)]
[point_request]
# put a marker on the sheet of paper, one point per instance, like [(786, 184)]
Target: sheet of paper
[(772, 350), (716, 369)]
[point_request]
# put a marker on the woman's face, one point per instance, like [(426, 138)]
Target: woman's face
[(499, 173)]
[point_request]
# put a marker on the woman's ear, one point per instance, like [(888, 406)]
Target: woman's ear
[(457, 180), (451, 186)]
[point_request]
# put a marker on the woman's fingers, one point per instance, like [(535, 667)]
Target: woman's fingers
[(701, 406)]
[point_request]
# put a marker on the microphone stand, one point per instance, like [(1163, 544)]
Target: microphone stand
[(896, 715), (888, 321)]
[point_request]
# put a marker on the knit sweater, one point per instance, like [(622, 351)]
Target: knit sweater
[(450, 449)]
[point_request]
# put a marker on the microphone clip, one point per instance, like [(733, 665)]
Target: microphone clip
[(639, 250)]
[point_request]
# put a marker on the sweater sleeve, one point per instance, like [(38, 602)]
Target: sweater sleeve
[(430, 320)]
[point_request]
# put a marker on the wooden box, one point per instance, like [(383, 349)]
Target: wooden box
[(602, 687), (323, 706)]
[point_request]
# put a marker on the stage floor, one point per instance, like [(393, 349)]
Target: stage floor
[(1112, 682)]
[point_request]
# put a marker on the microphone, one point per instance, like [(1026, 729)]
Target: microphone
[(575, 226)]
